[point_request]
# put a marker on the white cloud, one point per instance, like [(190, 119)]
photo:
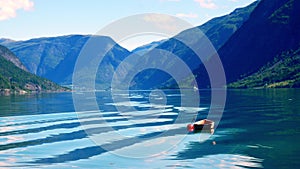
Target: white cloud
[(165, 24), (209, 4), (8, 8), (184, 15), (157, 18)]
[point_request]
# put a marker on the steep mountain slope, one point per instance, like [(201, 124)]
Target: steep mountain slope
[(272, 28), (42, 55), (217, 30), (54, 58), (63, 72), (283, 71), (15, 80), (8, 55), (271, 31), (220, 29)]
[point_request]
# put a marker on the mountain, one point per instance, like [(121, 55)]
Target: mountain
[(54, 58), (282, 72), (272, 29), (8, 55), (254, 55), (63, 72), (5, 41), (16, 80), (251, 42), (141, 50), (217, 30), (42, 55)]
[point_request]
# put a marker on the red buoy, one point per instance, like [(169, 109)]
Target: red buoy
[(190, 127)]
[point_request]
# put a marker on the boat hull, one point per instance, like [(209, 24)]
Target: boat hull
[(205, 125)]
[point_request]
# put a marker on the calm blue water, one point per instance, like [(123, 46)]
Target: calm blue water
[(258, 129)]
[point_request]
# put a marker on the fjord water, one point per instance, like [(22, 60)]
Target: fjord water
[(258, 129)]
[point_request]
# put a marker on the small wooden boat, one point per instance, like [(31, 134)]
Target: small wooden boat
[(204, 125)]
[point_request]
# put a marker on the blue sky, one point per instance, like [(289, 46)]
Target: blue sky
[(26, 19)]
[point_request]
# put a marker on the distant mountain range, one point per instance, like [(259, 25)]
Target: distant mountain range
[(42, 55), (54, 58), (141, 50), (14, 77), (254, 43)]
